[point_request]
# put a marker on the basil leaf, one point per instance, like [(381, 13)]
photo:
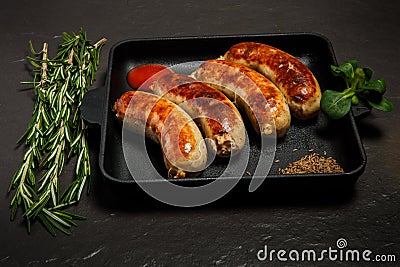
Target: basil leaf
[(359, 86), (354, 100), (368, 73), (347, 71), (335, 104), (353, 63), (384, 104), (378, 85), (359, 78)]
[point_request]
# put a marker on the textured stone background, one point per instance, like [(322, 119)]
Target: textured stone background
[(126, 227)]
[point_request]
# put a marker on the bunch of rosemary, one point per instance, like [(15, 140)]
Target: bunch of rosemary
[(55, 134)]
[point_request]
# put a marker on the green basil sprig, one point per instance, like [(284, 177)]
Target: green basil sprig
[(359, 87)]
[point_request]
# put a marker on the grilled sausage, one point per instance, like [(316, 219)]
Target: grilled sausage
[(293, 78), (215, 113), (260, 99), (184, 150)]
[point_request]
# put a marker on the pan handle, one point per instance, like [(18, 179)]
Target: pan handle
[(92, 106)]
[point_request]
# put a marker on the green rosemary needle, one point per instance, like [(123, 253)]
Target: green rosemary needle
[(56, 133)]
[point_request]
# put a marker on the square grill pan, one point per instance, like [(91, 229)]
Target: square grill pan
[(335, 138)]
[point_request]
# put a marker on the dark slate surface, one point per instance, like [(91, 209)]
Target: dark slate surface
[(126, 227)]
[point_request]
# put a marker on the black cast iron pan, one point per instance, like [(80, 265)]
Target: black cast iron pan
[(338, 139)]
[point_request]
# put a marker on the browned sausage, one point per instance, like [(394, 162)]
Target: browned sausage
[(259, 98), (293, 78), (215, 113), (184, 151)]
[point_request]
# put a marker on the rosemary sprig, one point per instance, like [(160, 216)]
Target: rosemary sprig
[(56, 133)]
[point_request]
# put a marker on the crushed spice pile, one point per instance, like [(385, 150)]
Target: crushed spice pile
[(312, 163)]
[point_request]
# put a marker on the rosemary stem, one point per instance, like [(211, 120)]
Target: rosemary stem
[(44, 63), (56, 132), (100, 42), (71, 57)]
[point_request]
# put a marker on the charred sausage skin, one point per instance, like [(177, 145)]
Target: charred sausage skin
[(217, 116), (293, 78), (167, 124), (258, 97)]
